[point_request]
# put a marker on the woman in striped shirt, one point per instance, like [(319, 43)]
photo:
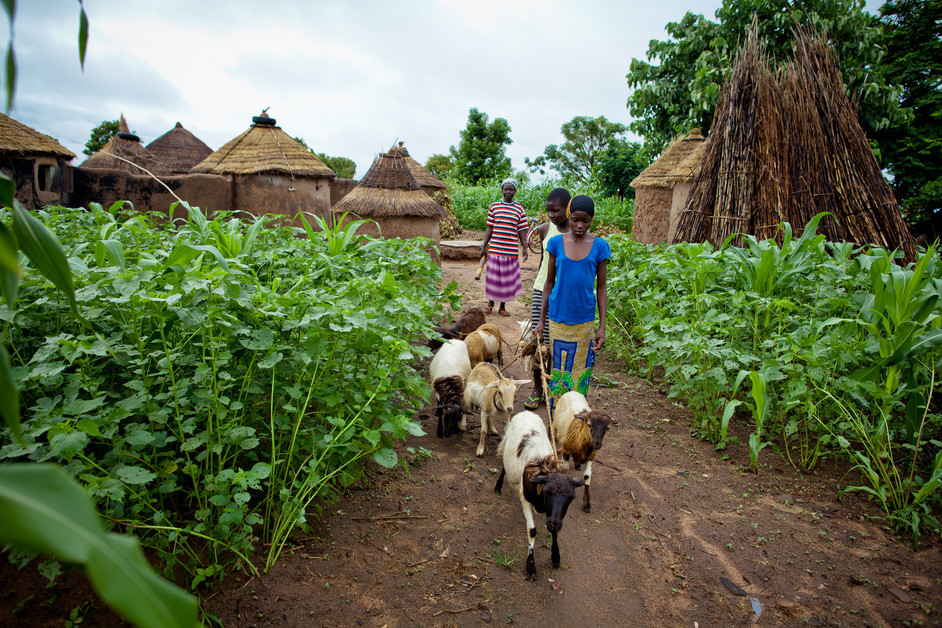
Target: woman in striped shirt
[(506, 226)]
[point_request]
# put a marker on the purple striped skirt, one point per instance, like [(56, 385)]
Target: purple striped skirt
[(503, 278)]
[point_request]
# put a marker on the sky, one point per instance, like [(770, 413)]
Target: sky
[(350, 78)]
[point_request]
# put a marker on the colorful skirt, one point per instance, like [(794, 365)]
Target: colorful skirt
[(503, 278), (573, 357)]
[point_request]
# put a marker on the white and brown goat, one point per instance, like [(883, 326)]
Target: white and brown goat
[(447, 374), (530, 465), (493, 394), (579, 431), (485, 344)]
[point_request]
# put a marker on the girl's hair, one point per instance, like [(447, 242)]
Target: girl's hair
[(581, 203), (559, 195)]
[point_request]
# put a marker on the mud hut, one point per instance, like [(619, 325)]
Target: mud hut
[(179, 149), (390, 195), (271, 172), (661, 190), (124, 147), (38, 164)]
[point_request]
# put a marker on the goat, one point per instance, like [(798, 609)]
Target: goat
[(493, 394), (449, 370), (485, 344), (530, 464), (579, 431), (469, 321)]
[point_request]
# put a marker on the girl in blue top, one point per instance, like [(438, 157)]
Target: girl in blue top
[(575, 284)]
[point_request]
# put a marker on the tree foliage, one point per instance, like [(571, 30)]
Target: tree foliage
[(100, 136), (482, 150), (439, 165), (620, 163), (912, 151), (345, 167), (586, 140), (677, 88)]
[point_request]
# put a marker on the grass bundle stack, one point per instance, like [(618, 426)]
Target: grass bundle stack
[(785, 145)]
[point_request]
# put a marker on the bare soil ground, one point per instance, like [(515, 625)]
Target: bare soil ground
[(432, 545)]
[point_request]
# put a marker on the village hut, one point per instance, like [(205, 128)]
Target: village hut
[(786, 145), (125, 152), (179, 149), (271, 172), (429, 182), (391, 197), (661, 190), (37, 164)]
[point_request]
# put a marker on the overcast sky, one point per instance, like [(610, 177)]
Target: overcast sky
[(350, 77)]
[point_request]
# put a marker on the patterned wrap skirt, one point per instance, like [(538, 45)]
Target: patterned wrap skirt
[(503, 283), (573, 357)]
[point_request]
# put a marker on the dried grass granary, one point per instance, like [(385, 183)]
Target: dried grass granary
[(390, 195), (661, 190), (38, 164), (124, 152), (179, 149), (429, 183), (271, 172)]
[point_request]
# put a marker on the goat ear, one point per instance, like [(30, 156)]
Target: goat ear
[(577, 482), (541, 479), (583, 416), (492, 385), (521, 382)]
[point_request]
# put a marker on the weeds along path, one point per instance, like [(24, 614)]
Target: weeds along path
[(431, 544)]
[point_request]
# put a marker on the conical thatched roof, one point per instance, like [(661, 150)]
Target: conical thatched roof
[(678, 164), (126, 146), (263, 148), (18, 139), (179, 149), (389, 189), (425, 178)]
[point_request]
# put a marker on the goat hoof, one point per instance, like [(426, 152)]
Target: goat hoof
[(578, 467), (587, 508), (479, 453)]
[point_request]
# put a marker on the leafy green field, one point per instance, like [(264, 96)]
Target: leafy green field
[(226, 376), (820, 348)]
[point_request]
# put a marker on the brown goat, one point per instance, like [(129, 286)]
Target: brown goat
[(469, 321)]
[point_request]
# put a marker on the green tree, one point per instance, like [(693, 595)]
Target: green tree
[(912, 151), (586, 140), (621, 162), (680, 88), (482, 150), (100, 136), (439, 165), (343, 166)]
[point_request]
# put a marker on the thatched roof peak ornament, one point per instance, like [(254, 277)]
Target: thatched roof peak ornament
[(424, 178)]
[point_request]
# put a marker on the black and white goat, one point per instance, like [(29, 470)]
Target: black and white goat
[(448, 372), (530, 465)]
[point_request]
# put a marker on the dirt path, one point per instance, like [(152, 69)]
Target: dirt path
[(428, 545)]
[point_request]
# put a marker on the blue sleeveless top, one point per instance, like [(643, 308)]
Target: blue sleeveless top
[(573, 298)]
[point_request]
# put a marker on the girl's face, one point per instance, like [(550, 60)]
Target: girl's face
[(579, 223), (555, 212), (508, 190)]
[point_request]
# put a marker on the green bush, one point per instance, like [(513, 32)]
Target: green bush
[(228, 376)]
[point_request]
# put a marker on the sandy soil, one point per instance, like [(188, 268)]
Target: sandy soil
[(432, 545)]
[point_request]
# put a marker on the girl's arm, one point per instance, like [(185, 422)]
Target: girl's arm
[(602, 299), (547, 289)]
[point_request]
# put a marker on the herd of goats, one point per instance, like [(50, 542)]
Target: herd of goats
[(464, 378)]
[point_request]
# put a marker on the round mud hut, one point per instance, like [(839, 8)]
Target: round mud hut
[(124, 147), (429, 182), (661, 190), (271, 172), (38, 164), (179, 149), (390, 195)]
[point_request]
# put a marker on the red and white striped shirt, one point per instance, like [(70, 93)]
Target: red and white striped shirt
[(507, 219)]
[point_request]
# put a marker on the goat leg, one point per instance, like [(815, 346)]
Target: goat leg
[(587, 476), (555, 552), (500, 482), (531, 567)]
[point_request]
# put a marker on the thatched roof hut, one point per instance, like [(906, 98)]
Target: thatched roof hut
[(265, 148), (17, 139), (179, 149), (38, 164), (123, 147), (428, 181), (389, 189), (662, 188), (390, 195)]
